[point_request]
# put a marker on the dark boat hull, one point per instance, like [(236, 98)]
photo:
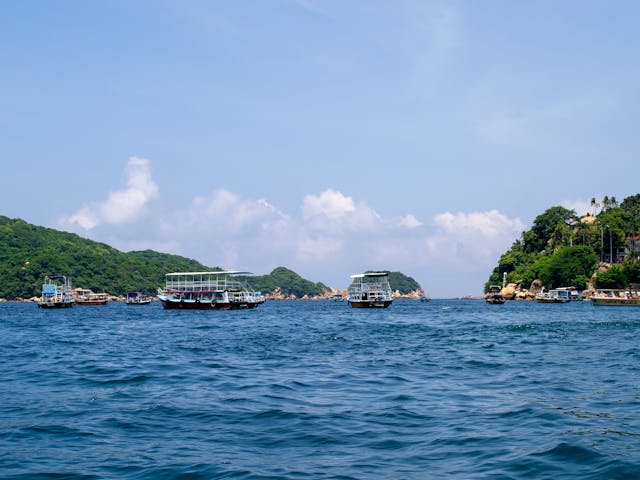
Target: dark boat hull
[(56, 305), (191, 305), (370, 304)]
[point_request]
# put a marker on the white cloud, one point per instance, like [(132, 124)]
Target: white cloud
[(331, 211), (410, 222), (234, 213), (489, 225), (476, 238), (121, 206)]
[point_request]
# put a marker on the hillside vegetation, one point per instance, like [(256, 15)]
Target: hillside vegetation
[(562, 249), (288, 282)]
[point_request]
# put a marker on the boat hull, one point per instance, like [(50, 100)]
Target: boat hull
[(193, 305), (616, 302), (55, 304), (495, 301), (369, 303), (92, 302)]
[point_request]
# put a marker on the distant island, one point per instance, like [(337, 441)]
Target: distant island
[(29, 252), (598, 250)]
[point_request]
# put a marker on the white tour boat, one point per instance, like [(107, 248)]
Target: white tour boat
[(370, 290), (222, 290)]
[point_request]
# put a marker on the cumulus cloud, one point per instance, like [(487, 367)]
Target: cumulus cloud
[(121, 206), (473, 237), (410, 222), (233, 212), (331, 211)]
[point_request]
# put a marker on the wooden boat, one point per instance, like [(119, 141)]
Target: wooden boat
[(370, 290), (56, 292), (225, 290), (87, 297), (616, 297), (137, 298), (494, 295)]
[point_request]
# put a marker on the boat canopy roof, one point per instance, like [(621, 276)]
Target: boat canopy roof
[(370, 274), (222, 272)]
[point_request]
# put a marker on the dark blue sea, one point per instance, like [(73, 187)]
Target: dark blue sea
[(316, 390)]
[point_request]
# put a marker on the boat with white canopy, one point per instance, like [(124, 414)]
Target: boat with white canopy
[(370, 290), (223, 290)]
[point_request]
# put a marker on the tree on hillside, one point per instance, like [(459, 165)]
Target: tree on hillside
[(536, 239), (568, 266), (631, 204)]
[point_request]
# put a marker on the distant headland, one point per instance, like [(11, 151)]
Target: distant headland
[(596, 251)]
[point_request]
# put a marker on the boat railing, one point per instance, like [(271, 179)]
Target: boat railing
[(199, 285)]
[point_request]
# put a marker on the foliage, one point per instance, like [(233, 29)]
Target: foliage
[(544, 225), (568, 266), (289, 283), (28, 253), (612, 278), (619, 276)]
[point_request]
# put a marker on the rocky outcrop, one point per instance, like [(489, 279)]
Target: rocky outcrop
[(514, 291)]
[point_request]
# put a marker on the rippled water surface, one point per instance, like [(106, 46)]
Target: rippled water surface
[(313, 389)]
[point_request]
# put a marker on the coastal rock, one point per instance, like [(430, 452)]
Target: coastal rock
[(536, 286), (509, 292)]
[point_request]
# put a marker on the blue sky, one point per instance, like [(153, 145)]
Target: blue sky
[(327, 136)]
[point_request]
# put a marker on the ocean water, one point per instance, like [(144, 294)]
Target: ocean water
[(316, 390)]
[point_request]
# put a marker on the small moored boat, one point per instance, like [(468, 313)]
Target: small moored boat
[(494, 295), (225, 290), (557, 295), (56, 292), (137, 298), (370, 290), (616, 297)]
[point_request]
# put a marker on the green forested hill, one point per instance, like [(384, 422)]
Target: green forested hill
[(561, 249), (29, 252), (289, 282)]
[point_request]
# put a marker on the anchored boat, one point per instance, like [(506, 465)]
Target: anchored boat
[(87, 297), (56, 292), (137, 298), (616, 297), (557, 295), (370, 290), (225, 290), (494, 295)]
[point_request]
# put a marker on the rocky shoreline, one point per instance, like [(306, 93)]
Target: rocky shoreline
[(515, 291)]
